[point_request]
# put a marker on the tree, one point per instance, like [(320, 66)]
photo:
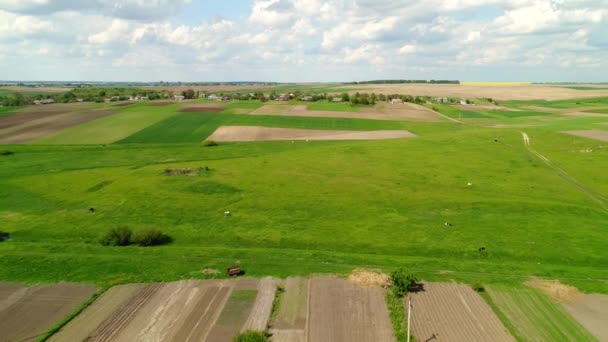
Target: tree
[(189, 94), (401, 281)]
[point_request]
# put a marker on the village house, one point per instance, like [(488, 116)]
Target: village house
[(396, 101), (306, 98), (178, 97), (45, 101), (336, 99)]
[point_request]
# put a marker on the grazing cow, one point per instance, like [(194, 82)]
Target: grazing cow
[(482, 249), (447, 224), (227, 213), (91, 210), (495, 140)]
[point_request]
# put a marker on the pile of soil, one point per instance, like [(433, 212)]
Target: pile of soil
[(188, 171)]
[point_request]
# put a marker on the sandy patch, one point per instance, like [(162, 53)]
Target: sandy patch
[(27, 312), (591, 311), (256, 133), (556, 290), (595, 134), (454, 312), (369, 278)]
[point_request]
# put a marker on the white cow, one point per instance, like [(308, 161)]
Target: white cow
[(227, 213)]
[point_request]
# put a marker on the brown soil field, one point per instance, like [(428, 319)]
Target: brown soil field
[(256, 133), (83, 326), (406, 111), (30, 113), (595, 134), (28, 312), (290, 323), (43, 124), (499, 92), (193, 310), (591, 311), (342, 311), (453, 312)]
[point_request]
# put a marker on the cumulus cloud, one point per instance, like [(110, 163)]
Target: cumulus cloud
[(306, 40)]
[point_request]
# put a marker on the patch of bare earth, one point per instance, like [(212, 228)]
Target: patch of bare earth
[(453, 312), (290, 322), (342, 311), (591, 311), (185, 171), (29, 113), (595, 134), (202, 108), (274, 109), (557, 291), (236, 311), (162, 103), (256, 133), (42, 125), (27, 312), (495, 91)]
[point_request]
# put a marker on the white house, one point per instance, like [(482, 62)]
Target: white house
[(396, 101), (463, 102), (178, 97)]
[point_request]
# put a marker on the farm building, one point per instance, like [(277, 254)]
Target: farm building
[(306, 98), (396, 101), (211, 97), (45, 101), (336, 99), (178, 97)]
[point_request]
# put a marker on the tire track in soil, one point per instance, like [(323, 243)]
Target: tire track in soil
[(123, 316)]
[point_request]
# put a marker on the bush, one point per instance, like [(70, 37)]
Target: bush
[(4, 236), (401, 281), (478, 287), (209, 143), (251, 336), (151, 237), (119, 236), (6, 153)]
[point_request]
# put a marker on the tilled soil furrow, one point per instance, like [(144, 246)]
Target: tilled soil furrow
[(110, 328)]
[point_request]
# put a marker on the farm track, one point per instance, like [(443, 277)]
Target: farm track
[(120, 319), (598, 198)]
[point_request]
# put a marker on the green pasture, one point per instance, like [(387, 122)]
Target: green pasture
[(599, 111), (304, 207), (334, 106), (7, 110), (570, 103)]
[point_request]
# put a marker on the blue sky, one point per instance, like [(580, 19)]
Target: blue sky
[(304, 40)]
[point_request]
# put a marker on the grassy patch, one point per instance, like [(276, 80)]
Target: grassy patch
[(570, 103), (397, 313), (599, 111), (7, 111), (534, 316)]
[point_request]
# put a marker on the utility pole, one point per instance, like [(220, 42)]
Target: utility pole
[(409, 310)]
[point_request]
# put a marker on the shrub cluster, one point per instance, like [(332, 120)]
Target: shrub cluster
[(123, 236), (209, 143), (251, 336), (401, 281)]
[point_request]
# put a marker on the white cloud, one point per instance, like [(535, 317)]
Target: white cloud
[(323, 38)]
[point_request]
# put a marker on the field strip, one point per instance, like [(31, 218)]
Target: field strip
[(216, 314), (260, 133), (589, 192)]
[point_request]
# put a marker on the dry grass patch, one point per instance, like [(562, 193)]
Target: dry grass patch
[(369, 278), (555, 290)]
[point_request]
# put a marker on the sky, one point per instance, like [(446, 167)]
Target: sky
[(304, 40)]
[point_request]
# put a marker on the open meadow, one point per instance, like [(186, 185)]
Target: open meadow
[(489, 194)]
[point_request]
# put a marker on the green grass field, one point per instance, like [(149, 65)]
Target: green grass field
[(599, 111), (7, 111), (531, 314), (307, 207), (573, 103)]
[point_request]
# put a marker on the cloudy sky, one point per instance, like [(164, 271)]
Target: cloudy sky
[(304, 40)]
